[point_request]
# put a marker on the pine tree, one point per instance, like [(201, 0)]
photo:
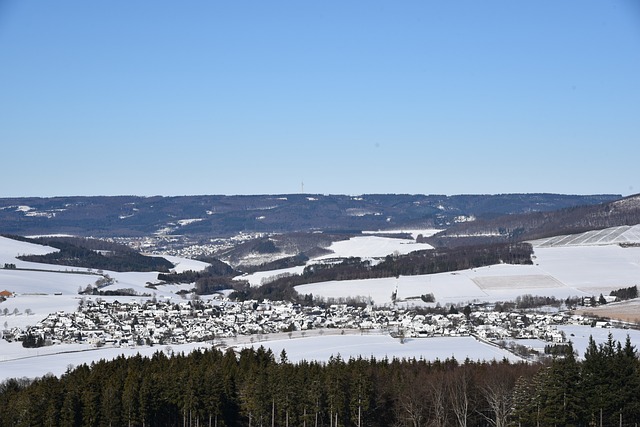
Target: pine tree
[(359, 391), (627, 381), (336, 393), (564, 400), (130, 396)]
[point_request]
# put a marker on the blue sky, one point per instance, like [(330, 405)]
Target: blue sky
[(349, 97)]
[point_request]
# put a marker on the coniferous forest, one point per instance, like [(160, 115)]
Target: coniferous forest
[(257, 388)]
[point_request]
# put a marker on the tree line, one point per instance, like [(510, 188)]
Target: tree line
[(255, 388), (625, 293)]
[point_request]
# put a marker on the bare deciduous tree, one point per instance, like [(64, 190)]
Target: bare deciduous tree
[(498, 393), (458, 386)]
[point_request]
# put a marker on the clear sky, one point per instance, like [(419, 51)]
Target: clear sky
[(151, 97)]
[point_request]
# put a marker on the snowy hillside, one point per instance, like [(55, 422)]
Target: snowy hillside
[(366, 247), (598, 264), (610, 236)]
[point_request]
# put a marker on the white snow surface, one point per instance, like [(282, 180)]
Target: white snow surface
[(321, 348), (614, 235), (10, 249), (258, 278), (184, 264), (18, 362), (561, 272), (372, 247)]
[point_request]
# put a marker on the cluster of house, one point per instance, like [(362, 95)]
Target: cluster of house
[(163, 322), (165, 243)]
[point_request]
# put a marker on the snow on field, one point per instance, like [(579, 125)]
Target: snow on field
[(184, 264), (373, 247), (381, 346), (558, 271), (48, 282), (446, 287), (494, 283), (38, 362), (592, 269), (608, 236), (135, 280), (10, 248), (17, 362), (44, 282), (257, 278)]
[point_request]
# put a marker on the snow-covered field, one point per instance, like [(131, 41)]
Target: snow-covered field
[(18, 362), (613, 235), (373, 247), (257, 278), (381, 346), (558, 271)]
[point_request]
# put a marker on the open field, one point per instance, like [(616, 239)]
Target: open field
[(520, 282), (626, 311), (560, 272), (383, 346), (615, 235)]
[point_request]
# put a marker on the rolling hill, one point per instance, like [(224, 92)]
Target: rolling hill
[(538, 225), (214, 216)]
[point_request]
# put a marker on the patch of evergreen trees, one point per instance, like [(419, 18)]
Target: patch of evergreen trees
[(601, 390), (625, 293)]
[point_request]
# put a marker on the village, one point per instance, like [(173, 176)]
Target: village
[(155, 322)]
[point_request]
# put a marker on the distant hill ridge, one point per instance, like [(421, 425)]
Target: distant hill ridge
[(540, 225), (131, 216)]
